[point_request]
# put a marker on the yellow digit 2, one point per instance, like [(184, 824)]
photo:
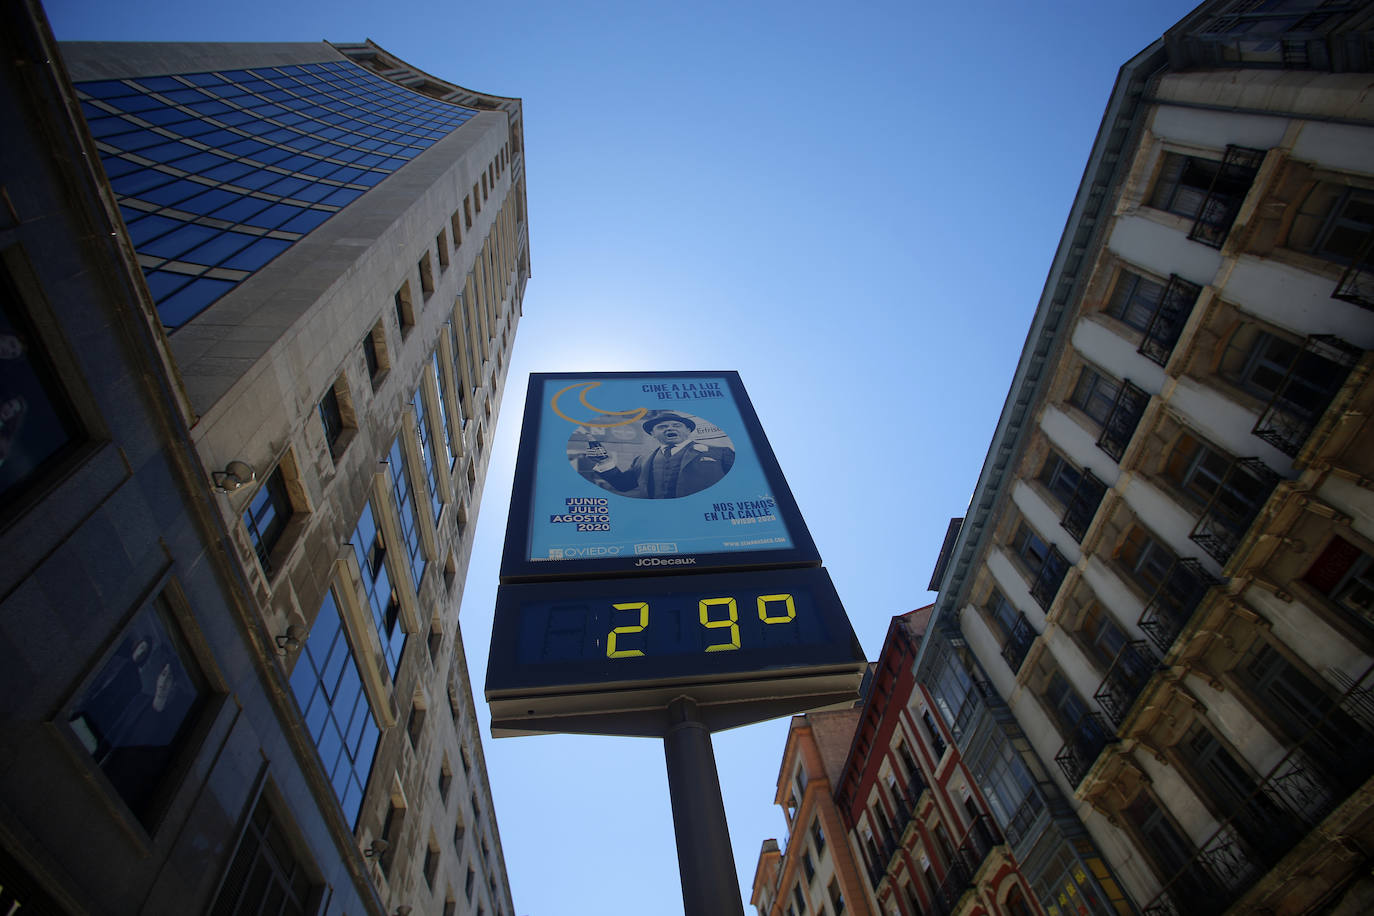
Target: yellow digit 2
[(790, 616), (733, 623), (643, 608)]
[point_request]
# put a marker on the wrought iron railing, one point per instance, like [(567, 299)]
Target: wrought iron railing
[(1171, 314), (1317, 372), (1298, 793), (1356, 285), (1174, 601), (958, 878), (1086, 740), (979, 842), (1024, 817), (1124, 418), (1049, 578), (1082, 505), (1018, 643), (1243, 491), (1229, 186), (1132, 668)]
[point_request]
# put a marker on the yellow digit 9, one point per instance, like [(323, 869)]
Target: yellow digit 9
[(643, 608), (790, 616), (705, 606)]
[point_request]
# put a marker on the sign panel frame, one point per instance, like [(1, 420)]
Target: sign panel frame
[(557, 471), (595, 693)]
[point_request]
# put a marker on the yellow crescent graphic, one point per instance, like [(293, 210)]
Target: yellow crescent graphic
[(629, 415)]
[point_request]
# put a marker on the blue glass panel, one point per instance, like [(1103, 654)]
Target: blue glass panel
[(183, 238), (147, 227), (184, 95), (294, 161), (107, 89), (159, 83), (199, 163), (163, 283), (370, 179), (163, 117), (135, 183), (313, 193), (193, 128), (229, 172), (241, 209), (107, 126), (245, 147), (167, 151), (346, 174), (135, 103), (258, 179), (306, 221), (234, 118), (342, 196), (135, 139), (257, 254), (114, 166), (192, 299), (286, 187), (273, 216), (219, 248), (210, 108), (319, 168), (316, 714), (204, 79), (171, 193)]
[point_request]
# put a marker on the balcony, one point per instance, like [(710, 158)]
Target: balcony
[(1087, 738), (1168, 320), (1356, 285), (1049, 578), (1174, 601), (1124, 418), (1317, 372), (982, 836), (958, 878), (1082, 505), (1126, 678), (1018, 643), (1229, 186), (1239, 497)]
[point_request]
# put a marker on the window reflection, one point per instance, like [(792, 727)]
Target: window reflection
[(137, 711)]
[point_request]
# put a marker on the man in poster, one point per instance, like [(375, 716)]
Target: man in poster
[(678, 467)]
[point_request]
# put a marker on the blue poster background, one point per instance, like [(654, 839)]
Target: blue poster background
[(574, 518)]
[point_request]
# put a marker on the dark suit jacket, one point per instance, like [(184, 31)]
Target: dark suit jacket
[(702, 466)]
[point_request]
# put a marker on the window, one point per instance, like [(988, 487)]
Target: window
[(1274, 366), (799, 897), (441, 245), (1010, 790), (808, 866), (1060, 477), (37, 421), (266, 517), (329, 690), (406, 509), (424, 436), (467, 764), (426, 269), (467, 213), (369, 545), (445, 779), (476, 199), (1207, 191), (455, 348), (818, 836), (264, 875), (459, 831), (332, 418), (1348, 229), (1196, 469), (1095, 394), (405, 313), (1167, 847), (455, 224), (136, 714), (391, 832), (1146, 560), (415, 724), (431, 863), (450, 453), (468, 883), (374, 355), (836, 898), (1345, 574), (1135, 300)]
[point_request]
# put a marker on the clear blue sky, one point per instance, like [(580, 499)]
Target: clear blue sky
[(855, 207)]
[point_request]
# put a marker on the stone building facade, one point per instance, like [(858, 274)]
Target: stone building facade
[(1152, 644), (258, 303)]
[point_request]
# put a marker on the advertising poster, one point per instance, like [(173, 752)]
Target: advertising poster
[(651, 472)]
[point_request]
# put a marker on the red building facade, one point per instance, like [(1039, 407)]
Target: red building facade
[(916, 820)]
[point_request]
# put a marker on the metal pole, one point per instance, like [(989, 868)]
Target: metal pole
[(705, 861)]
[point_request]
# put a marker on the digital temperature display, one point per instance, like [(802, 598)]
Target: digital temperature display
[(623, 635)]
